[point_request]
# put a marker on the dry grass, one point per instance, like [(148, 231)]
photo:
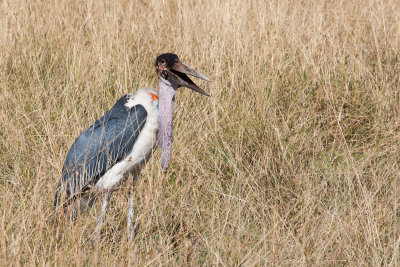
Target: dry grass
[(294, 160)]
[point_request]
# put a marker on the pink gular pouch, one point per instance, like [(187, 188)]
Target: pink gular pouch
[(172, 74)]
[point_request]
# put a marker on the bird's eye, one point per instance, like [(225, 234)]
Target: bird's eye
[(163, 62)]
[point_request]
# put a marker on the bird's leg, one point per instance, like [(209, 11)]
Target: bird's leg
[(130, 229), (130, 224), (104, 207)]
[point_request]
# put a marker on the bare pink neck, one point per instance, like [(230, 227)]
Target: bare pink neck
[(165, 115)]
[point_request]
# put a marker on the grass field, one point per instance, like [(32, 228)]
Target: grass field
[(294, 160)]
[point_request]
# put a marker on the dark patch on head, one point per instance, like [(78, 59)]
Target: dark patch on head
[(167, 59)]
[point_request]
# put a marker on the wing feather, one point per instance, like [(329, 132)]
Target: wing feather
[(100, 147)]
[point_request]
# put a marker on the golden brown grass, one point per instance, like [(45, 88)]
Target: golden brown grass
[(293, 161)]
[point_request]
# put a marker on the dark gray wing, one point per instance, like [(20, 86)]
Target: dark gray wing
[(101, 146)]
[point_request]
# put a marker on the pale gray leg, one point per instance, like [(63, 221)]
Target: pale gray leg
[(130, 223), (104, 207), (130, 226)]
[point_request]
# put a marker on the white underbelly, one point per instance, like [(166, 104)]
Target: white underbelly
[(135, 160)]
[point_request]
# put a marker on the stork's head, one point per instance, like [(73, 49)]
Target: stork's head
[(171, 69), (172, 74)]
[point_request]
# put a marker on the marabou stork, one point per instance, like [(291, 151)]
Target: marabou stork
[(122, 141)]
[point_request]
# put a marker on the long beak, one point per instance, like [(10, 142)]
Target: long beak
[(184, 68), (179, 71)]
